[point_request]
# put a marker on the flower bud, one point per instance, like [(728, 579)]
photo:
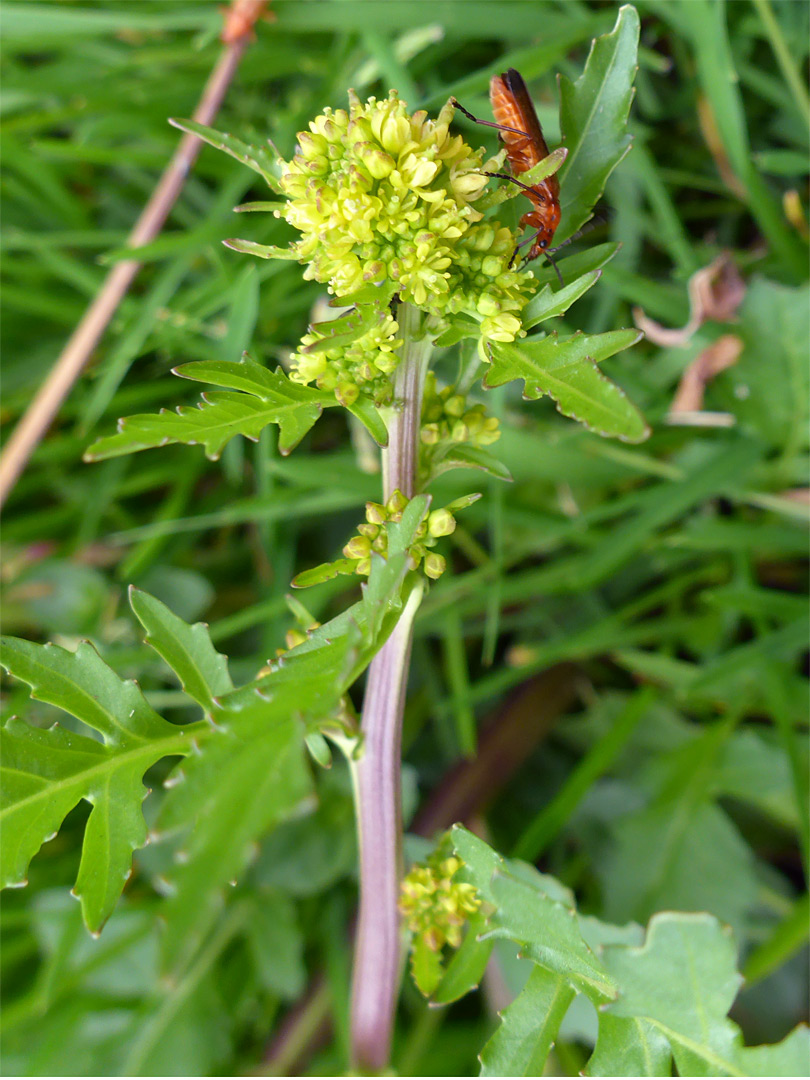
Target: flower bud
[(359, 547), (435, 565), (441, 523), (375, 513)]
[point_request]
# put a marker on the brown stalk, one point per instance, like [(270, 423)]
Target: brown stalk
[(239, 20)]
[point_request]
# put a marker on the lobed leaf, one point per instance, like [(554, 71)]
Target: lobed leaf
[(270, 398), (566, 369), (665, 998), (188, 650), (47, 772)]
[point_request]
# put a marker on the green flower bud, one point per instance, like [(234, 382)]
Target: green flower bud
[(359, 547), (441, 523), (454, 406), (396, 503), (376, 514), (435, 565)]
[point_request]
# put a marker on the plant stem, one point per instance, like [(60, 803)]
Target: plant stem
[(375, 981)]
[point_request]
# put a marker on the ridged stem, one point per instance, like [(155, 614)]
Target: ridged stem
[(377, 958)]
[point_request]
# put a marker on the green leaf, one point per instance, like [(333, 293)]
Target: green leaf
[(682, 980), (529, 1027), (47, 772), (467, 965), (349, 326), (257, 158), (790, 1057), (459, 328), (549, 303), (465, 456), (574, 266), (271, 399), (426, 966), (258, 206), (368, 415), (547, 931), (276, 943), (248, 776), (317, 575), (544, 168), (629, 1047), (261, 251), (202, 671), (593, 119), (566, 369)]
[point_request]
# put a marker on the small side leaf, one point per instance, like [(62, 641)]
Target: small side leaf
[(550, 303), (261, 251), (255, 157), (188, 650), (466, 967), (367, 413), (464, 456)]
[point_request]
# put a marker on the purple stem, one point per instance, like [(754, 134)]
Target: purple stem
[(377, 958)]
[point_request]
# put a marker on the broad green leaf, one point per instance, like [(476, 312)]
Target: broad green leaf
[(683, 981), (47, 772), (528, 1027), (220, 416), (549, 303), (566, 369), (629, 1047), (244, 374), (251, 772), (790, 1057), (257, 158), (276, 942), (547, 932), (668, 854), (593, 118), (248, 776), (577, 265), (202, 671), (534, 911)]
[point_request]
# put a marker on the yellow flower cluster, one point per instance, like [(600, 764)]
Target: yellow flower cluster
[(447, 417), (436, 907), (372, 536), (365, 364), (381, 196)]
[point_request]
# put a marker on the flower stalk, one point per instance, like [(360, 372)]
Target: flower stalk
[(378, 950)]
